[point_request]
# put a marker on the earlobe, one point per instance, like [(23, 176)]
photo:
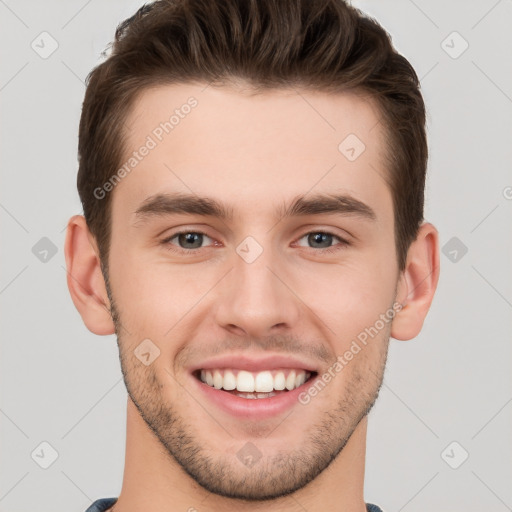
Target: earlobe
[(85, 279), (418, 283)]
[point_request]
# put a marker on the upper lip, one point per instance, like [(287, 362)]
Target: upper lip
[(254, 364)]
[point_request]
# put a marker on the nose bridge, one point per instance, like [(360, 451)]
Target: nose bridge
[(257, 299), (252, 269)]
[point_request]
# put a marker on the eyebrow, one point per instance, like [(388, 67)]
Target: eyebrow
[(167, 204)]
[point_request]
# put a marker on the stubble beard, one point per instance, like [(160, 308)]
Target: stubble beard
[(272, 476)]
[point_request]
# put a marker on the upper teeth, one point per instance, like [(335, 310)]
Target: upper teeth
[(262, 382)]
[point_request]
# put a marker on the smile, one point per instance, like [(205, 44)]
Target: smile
[(254, 385)]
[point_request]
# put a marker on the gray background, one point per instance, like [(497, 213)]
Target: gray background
[(62, 385)]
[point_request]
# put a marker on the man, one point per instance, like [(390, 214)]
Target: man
[(252, 177)]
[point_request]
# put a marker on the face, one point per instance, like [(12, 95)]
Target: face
[(249, 252)]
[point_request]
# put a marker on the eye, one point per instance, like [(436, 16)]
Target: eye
[(186, 240), (324, 239)]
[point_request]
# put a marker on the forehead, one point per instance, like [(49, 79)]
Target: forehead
[(252, 148)]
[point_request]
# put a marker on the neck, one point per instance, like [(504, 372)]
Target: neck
[(154, 481)]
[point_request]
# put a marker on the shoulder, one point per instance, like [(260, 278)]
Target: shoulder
[(102, 505)]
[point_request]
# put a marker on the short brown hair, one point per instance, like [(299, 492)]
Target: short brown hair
[(323, 45)]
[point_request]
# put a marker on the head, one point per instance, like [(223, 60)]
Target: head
[(288, 138)]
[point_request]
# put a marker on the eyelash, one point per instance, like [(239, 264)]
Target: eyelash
[(189, 252)]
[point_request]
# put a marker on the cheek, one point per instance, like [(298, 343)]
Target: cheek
[(152, 296), (348, 298)]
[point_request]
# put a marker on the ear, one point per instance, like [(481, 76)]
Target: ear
[(417, 284), (85, 280)]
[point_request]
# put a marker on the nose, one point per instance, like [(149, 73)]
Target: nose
[(257, 298)]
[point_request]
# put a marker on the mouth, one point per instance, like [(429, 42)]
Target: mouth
[(252, 390), (254, 385)]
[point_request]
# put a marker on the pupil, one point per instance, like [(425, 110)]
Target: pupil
[(317, 237), (189, 238)]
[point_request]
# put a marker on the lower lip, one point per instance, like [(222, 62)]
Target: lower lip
[(254, 409)]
